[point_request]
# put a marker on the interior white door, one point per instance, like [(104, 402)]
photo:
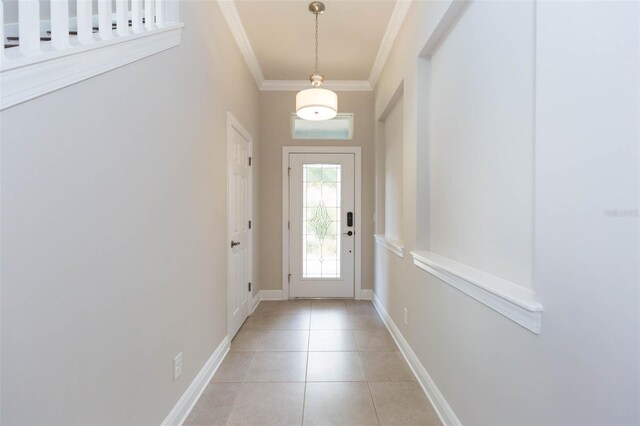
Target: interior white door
[(239, 199), (322, 225)]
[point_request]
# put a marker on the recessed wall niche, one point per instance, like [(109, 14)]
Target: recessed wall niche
[(390, 166), (476, 137)]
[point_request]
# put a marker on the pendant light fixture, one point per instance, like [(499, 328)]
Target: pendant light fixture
[(316, 104)]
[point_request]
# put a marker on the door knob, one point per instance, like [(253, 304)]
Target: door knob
[(350, 233), (233, 243)]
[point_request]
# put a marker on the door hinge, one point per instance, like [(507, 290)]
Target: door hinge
[(249, 286), (289, 172), (288, 225), (249, 224), (289, 278), (249, 160)]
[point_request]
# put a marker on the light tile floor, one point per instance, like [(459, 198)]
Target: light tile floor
[(319, 362)]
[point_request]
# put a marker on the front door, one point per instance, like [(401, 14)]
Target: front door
[(321, 225), (239, 210)]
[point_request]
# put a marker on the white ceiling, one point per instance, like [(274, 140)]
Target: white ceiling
[(276, 38)]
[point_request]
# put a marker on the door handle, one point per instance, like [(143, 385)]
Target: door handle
[(350, 233), (234, 243)]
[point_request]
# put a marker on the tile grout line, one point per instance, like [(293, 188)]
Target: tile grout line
[(306, 373), (269, 330), (366, 377), (235, 400)]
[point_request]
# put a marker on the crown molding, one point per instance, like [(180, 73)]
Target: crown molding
[(232, 17), (228, 8), (395, 23), (337, 85)]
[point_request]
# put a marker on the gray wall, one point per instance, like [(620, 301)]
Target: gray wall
[(114, 232), (275, 132), (583, 367), (393, 170)]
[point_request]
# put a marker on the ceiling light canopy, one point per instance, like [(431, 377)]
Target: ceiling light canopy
[(316, 104)]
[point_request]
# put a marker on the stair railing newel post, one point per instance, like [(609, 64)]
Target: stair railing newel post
[(171, 11), (29, 26), (85, 21), (60, 24)]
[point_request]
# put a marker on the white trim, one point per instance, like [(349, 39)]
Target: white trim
[(25, 78), (233, 123), (451, 15), (366, 294), (230, 13), (188, 400), (255, 302), (511, 300), (271, 295), (357, 151), (394, 246), (391, 103), (395, 23), (439, 403), (337, 85)]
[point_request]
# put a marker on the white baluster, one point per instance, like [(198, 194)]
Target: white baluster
[(122, 17), (60, 23), (29, 26), (136, 16), (85, 22), (105, 29), (160, 18), (149, 15)]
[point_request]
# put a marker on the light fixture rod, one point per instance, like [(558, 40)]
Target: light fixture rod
[(316, 44), (316, 104), (317, 8)]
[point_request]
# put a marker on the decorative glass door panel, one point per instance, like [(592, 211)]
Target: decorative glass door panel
[(321, 210), (321, 194)]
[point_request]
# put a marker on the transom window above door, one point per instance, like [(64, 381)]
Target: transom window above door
[(340, 128)]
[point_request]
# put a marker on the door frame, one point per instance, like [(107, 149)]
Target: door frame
[(233, 123), (357, 151)]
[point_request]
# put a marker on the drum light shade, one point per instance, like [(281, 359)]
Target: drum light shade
[(316, 104)]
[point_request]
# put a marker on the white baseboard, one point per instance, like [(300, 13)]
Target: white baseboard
[(366, 294), (444, 411), (271, 294), (255, 302), (179, 414)]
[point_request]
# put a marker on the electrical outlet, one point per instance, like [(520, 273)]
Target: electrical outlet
[(177, 366), (406, 316)]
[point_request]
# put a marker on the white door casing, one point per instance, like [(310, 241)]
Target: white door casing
[(239, 242), (340, 276)]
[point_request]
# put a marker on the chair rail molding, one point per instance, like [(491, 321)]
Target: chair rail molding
[(395, 247), (511, 300)]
